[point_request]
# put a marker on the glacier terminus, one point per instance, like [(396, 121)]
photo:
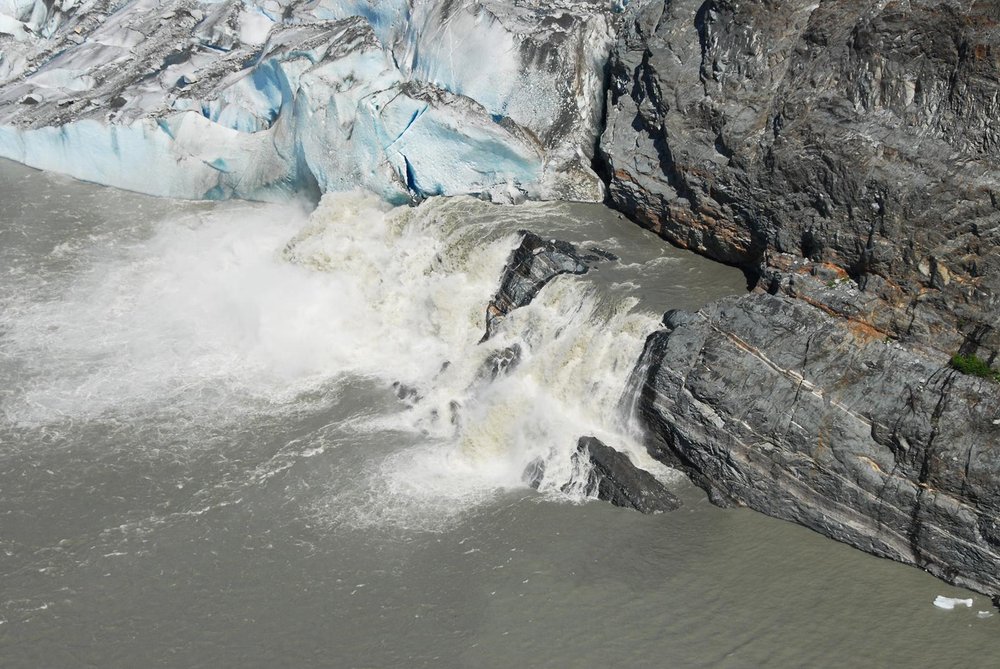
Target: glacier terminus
[(255, 99)]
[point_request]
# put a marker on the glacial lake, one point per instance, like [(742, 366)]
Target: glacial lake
[(204, 461)]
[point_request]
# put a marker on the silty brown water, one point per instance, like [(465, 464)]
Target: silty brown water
[(203, 462)]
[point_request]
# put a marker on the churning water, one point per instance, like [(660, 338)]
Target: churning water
[(257, 435)]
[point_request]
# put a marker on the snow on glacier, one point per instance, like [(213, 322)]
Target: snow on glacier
[(408, 98)]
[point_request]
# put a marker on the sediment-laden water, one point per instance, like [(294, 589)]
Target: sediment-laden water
[(205, 458)]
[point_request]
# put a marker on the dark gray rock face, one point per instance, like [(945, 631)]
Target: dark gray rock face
[(847, 155), (531, 266), (615, 479), (770, 402), (859, 135)]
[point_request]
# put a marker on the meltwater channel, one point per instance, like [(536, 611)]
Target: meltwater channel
[(205, 460)]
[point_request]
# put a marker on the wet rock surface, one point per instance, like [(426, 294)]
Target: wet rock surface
[(769, 402), (531, 266), (501, 362), (611, 477), (847, 156)]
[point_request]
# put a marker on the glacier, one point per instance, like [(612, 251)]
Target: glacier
[(257, 99)]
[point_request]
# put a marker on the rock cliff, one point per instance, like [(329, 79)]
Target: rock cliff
[(846, 155), (863, 136), (770, 403)]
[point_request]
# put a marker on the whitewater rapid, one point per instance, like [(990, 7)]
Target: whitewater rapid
[(246, 309)]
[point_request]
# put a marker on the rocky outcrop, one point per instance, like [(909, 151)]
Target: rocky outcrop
[(531, 266), (501, 362), (862, 136), (769, 402), (846, 155), (611, 476)]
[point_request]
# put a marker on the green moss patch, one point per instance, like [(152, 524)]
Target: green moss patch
[(974, 366)]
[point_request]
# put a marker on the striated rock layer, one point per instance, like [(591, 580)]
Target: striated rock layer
[(770, 403), (847, 156)]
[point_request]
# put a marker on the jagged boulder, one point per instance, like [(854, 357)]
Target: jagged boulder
[(615, 479), (530, 267)]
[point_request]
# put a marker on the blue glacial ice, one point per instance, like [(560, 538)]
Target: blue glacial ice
[(256, 99)]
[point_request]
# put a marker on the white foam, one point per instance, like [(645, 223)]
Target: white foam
[(577, 353), (254, 306), (249, 302), (202, 304)]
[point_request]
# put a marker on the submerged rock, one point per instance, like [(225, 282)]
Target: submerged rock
[(405, 393), (775, 404), (501, 362), (534, 473)]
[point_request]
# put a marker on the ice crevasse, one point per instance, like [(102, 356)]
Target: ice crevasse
[(255, 99)]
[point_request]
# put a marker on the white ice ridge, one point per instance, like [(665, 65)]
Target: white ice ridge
[(255, 98)]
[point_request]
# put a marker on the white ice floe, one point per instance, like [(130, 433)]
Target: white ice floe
[(949, 603)]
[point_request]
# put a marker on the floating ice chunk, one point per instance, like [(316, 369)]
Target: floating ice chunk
[(949, 603), (984, 614)]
